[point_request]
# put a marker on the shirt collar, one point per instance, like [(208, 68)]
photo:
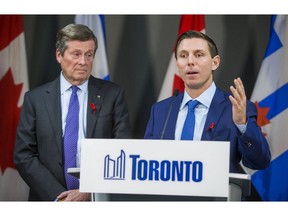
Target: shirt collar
[(205, 98), (65, 85)]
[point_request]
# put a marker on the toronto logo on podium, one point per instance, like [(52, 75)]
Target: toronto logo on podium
[(152, 170), (115, 168)]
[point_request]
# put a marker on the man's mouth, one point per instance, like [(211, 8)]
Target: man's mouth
[(192, 72)]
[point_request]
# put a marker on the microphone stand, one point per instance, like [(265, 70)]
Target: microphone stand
[(175, 94)]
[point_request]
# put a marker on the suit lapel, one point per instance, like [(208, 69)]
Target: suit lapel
[(52, 100), (95, 99), (170, 129), (215, 111)]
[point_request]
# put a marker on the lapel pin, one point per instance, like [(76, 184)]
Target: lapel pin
[(211, 126), (93, 107)]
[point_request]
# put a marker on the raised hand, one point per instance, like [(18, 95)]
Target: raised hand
[(238, 101)]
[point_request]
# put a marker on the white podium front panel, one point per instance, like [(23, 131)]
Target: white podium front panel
[(162, 167)]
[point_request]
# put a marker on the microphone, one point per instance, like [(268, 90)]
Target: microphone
[(175, 94)]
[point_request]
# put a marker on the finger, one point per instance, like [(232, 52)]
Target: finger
[(233, 101), (240, 87), (239, 82), (62, 196), (235, 93)]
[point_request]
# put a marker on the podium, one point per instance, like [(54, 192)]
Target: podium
[(160, 169), (239, 185)]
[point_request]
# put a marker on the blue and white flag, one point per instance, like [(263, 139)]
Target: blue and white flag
[(270, 95), (97, 25)]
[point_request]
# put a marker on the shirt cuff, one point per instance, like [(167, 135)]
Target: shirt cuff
[(242, 127)]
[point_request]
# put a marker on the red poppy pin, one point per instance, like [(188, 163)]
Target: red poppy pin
[(211, 126), (93, 107)]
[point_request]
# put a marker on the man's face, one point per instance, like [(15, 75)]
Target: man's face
[(77, 61), (195, 63)]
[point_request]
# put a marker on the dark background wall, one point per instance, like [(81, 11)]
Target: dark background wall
[(139, 48)]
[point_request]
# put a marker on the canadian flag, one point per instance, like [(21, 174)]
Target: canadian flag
[(172, 79), (13, 85)]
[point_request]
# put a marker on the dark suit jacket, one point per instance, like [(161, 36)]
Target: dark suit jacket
[(38, 153), (251, 147)]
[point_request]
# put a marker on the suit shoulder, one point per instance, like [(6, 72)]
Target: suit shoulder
[(37, 90), (168, 101), (103, 83), (222, 92)]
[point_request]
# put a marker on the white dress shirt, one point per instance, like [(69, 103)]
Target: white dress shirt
[(82, 94), (201, 111)]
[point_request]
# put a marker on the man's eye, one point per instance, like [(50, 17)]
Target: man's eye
[(89, 55), (75, 55), (199, 54), (182, 55)]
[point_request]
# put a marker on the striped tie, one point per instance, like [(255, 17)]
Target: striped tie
[(71, 139)]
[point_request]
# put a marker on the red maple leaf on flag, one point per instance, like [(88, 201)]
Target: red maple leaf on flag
[(10, 112)]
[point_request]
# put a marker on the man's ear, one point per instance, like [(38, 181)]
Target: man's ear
[(215, 62), (58, 56)]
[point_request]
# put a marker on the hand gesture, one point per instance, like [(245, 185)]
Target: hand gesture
[(238, 101)]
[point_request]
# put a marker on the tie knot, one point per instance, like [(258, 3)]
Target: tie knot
[(74, 89), (192, 104)]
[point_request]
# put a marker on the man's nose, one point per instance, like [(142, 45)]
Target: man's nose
[(191, 59), (82, 59)]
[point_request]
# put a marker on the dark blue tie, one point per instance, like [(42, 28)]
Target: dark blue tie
[(71, 139), (189, 124)]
